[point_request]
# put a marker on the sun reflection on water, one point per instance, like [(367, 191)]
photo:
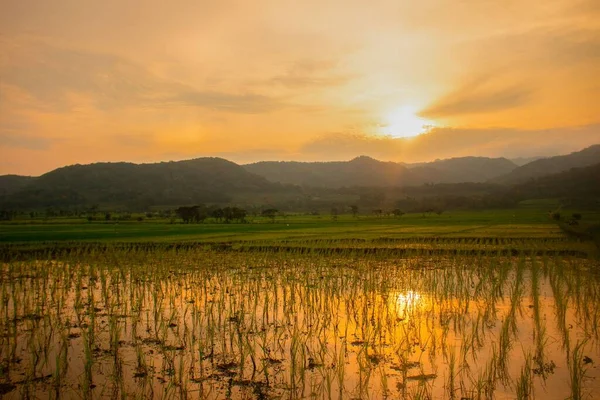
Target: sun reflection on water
[(408, 299), (407, 302)]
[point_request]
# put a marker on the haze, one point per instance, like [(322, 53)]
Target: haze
[(151, 80)]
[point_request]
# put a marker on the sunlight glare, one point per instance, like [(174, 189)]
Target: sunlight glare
[(408, 299), (404, 122)]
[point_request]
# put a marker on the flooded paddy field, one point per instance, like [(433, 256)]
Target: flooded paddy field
[(203, 323)]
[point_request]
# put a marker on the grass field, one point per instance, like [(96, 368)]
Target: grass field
[(525, 228), (522, 222)]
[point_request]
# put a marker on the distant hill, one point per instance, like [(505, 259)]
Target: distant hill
[(463, 182), (361, 171), (576, 183), (202, 180), (463, 169), (365, 171), (10, 184), (520, 161), (552, 165)]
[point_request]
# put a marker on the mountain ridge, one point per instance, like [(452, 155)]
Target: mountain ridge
[(389, 173), (217, 180), (122, 183), (552, 165)]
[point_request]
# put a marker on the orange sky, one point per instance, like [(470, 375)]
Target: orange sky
[(151, 80)]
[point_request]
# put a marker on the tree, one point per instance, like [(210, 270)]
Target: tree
[(398, 212), (233, 214), (227, 214), (195, 214), (334, 213), (575, 218), (7, 215), (217, 214), (185, 213), (270, 213), (426, 210), (239, 214), (354, 210)]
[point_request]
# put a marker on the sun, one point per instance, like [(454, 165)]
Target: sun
[(404, 122)]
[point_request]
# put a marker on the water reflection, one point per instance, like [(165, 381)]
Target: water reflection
[(407, 302), (203, 325)]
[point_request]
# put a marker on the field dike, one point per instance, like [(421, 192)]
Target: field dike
[(383, 246)]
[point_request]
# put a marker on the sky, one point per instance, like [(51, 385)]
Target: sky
[(154, 80)]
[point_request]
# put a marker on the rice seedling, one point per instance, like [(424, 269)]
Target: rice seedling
[(133, 322), (525, 381), (577, 371)]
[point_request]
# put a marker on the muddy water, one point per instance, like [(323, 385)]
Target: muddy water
[(206, 325)]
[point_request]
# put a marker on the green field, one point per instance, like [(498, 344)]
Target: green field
[(528, 228), (522, 222)]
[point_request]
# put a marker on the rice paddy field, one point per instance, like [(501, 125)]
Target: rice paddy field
[(452, 308)]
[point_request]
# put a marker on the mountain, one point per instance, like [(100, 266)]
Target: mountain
[(576, 188), (520, 161), (463, 169), (552, 165), (10, 184), (202, 180), (365, 171), (576, 183), (363, 180), (361, 171)]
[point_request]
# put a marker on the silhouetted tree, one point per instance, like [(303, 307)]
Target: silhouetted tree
[(234, 214), (398, 212), (270, 213), (7, 215), (217, 214), (354, 210), (185, 213), (239, 214), (195, 214)]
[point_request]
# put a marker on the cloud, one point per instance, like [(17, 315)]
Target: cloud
[(50, 74), (131, 139), (561, 46), (21, 141), (480, 96), (448, 142), (574, 45), (534, 50), (54, 75), (204, 77), (245, 103), (311, 74), (515, 76), (503, 142), (17, 131), (348, 145)]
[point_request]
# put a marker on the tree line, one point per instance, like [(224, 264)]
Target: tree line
[(199, 213)]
